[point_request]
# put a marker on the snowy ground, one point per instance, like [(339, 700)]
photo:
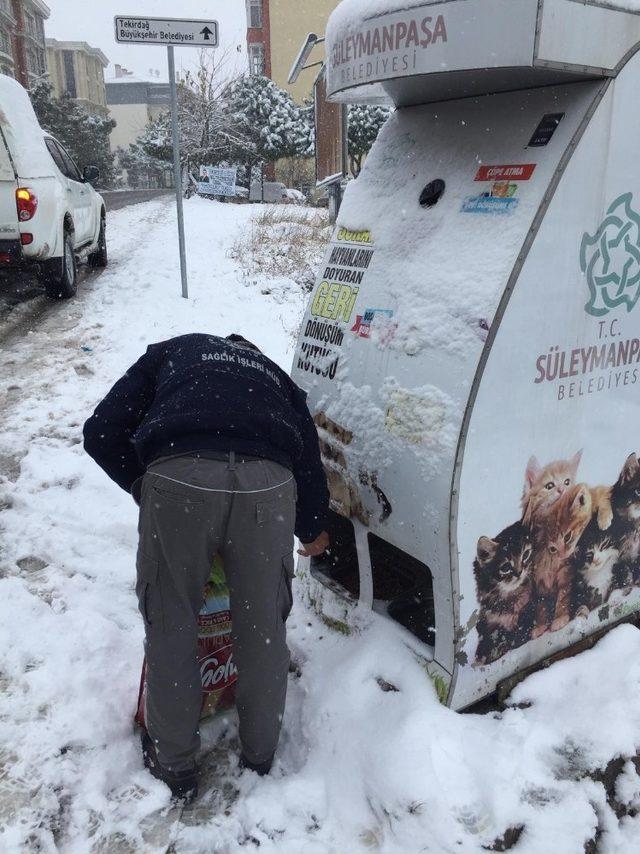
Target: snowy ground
[(359, 768)]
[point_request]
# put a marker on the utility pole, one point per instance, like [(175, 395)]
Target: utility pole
[(177, 171), (130, 29)]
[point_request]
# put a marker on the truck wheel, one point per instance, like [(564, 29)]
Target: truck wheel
[(60, 275), (99, 258)]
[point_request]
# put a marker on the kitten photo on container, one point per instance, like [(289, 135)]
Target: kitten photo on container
[(543, 486), (504, 583), (606, 560), (594, 564), (555, 537), (625, 501), (574, 546)]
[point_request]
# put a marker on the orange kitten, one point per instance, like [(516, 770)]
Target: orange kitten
[(543, 486), (556, 536)]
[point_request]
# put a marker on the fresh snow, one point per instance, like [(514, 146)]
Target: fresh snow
[(359, 768), (349, 12), (22, 132)]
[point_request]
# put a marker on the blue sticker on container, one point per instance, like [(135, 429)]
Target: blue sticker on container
[(488, 205)]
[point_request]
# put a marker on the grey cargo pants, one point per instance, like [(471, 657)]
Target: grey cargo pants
[(192, 508)]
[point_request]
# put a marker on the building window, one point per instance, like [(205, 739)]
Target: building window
[(256, 59), (69, 74), (254, 13), (35, 62), (30, 24), (5, 41)]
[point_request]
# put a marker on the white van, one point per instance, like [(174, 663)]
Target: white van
[(50, 215), (272, 192)]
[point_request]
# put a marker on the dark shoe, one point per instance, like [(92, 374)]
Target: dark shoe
[(261, 768), (183, 784)]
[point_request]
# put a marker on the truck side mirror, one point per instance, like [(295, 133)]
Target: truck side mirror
[(90, 173)]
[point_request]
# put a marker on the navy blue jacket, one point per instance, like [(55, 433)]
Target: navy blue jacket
[(202, 393)]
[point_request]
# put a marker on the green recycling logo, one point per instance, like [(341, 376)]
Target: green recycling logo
[(610, 259)]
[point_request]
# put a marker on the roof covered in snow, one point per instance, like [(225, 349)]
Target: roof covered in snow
[(22, 131)]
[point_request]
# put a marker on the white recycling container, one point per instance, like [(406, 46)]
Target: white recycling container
[(471, 348)]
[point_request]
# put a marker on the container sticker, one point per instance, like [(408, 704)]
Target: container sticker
[(333, 302), (413, 417), (545, 130), (511, 172), (345, 235), (491, 204), (499, 197), (351, 496), (378, 316)]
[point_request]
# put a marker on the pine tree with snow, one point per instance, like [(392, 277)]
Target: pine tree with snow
[(144, 167), (85, 136), (268, 124), (365, 123)]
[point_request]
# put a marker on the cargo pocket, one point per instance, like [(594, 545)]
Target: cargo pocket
[(285, 598), (147, 589)]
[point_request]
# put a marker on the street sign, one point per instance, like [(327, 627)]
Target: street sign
[(184, 33), (166, 31)]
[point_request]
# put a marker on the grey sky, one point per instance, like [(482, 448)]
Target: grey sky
[(92, 21)]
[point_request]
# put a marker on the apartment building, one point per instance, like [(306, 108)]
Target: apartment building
[(77, 69), (275, 32), (133, 103), (22, 41)]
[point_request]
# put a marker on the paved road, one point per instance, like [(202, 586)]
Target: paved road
[(116, 199), (22, 302)]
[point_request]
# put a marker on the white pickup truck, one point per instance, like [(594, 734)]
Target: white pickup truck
[(50, 215)]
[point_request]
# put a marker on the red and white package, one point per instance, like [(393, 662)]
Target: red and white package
[(215, 650)]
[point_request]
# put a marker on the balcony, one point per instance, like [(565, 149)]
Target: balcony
[(6, 14)]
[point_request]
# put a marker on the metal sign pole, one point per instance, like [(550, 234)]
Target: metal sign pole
[(177, 172)]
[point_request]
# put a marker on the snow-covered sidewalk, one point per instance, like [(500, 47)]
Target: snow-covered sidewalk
[(359, 768)]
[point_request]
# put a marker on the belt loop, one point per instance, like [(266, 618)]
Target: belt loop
[(232, 460)]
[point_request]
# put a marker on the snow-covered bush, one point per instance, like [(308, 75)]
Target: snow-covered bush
[(284, 242)]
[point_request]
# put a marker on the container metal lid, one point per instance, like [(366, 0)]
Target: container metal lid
[(434, 50)]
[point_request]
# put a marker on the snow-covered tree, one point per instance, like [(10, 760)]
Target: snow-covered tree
[(86, 137), (364, 127), (207, 133), (268, 124), (246, 122)]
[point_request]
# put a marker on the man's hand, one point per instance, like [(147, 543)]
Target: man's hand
[(319, 545)]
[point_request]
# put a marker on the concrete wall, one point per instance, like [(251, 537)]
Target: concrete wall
[(131, 121), (133, 104), (290, 21)]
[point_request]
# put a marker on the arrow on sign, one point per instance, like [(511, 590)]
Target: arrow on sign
[(207, 33)]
